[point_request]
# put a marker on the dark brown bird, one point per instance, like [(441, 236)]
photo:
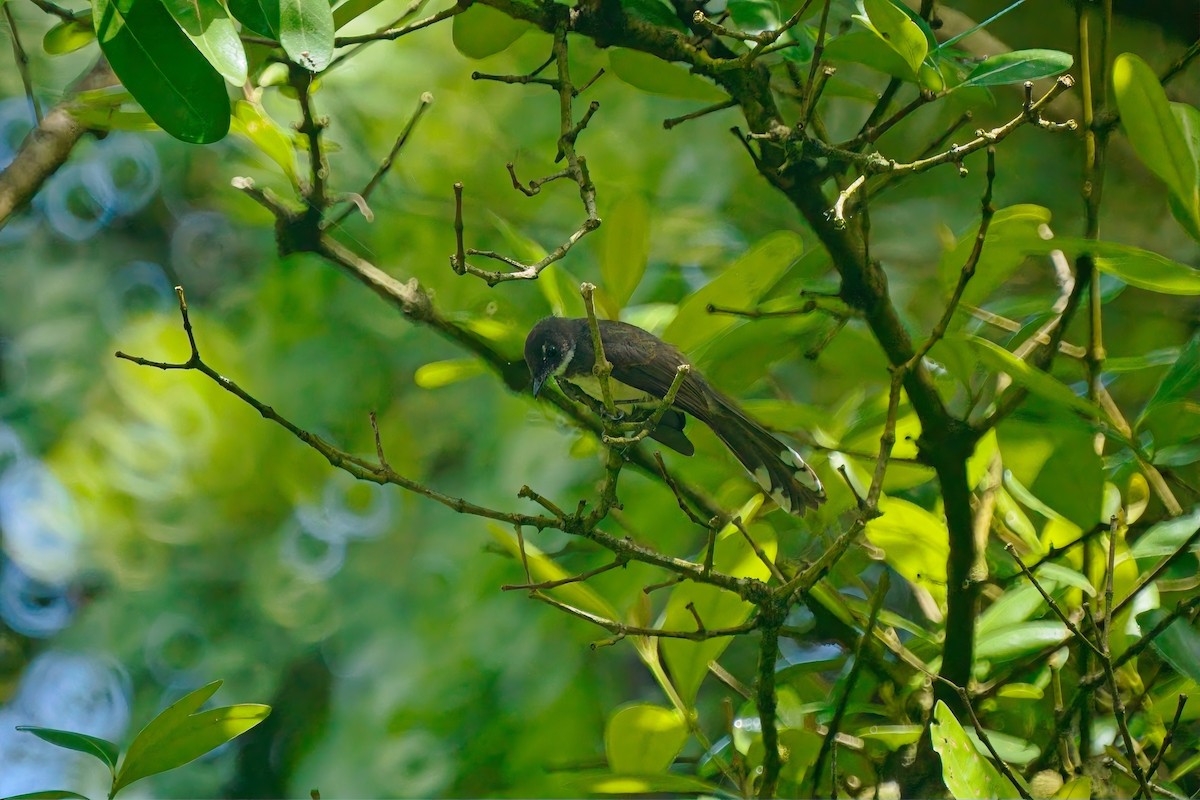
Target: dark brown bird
[(644, 367)]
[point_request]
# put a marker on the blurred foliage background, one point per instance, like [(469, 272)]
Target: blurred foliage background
[(158, 534)]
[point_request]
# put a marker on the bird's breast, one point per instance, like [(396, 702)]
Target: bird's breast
[(621, 392)]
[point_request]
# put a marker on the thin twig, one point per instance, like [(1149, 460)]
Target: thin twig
[(22, 59), (619, 561)]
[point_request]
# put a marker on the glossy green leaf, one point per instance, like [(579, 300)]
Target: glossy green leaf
[(1178, 644), (68, 36), (49, 794), (1014, 641), (260, 16), (1166, 537), (899, 32), (644, 71), (1078, 788), (94, 746), (1016, 605), (1181, 381), (740, 286), (482, 31), (1152, 128), (1137, 267), (644, 738), (892, 736), (437, 374), (212, 31), (158, 735), (1052, 468), (915, 543), (1188, 214), (625, 249), (186, 739), (1021, 691), (1012, 749), (306, 32), (1065, 576), (870, 50), (1162, 357), (688, 661), (162, 69), (1018, 66), (1040, 383), (639, 785), (543, 569), (252, 122), (966, 773)]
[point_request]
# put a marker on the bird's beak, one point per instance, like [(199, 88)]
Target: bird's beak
[(537, 384)]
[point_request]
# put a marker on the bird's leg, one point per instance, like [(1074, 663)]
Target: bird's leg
[(652, 421)]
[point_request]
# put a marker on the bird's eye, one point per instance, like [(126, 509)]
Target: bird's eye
[(551, 351)]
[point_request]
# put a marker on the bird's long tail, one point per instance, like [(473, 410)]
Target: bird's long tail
[(777, 468)]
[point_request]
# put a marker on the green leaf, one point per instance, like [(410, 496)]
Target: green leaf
[(250, 121), (1065, 576), (1012, 749), (1079, 788), (1018, 66), (644, 738), (1166, 537), (68, 36), (893, 737), (625, 249), (1040, 383), (644, 71), (212, 31), (1137, 267), (1152, 128), (1021, 691), (1188, 214), (482, 31), (185, 739), (306, 32), (1180, 382), (640, 785), (688, 661), (1052, 467), (260, 16), (437, 374), (1014, 641), (740, 286), (543, 569), (347, 12), (162, 69), (49, 794), (656, 12), (94, 746), (1015, 606), (1178, 645), (868, 49), (915, 543), (966, 773), (1004, 250), (899, 32)]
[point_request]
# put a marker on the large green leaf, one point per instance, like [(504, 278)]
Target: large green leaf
[(1181, 381), (625, 243), (543, 569), (1014, 641), (162, 69), (1153, 129), (644, 71), (212, 31), (94, 746), (306, 32), (966, 773), (1040, 383), (181, 734), (1018, 66), (740, 286), (1054, 460), (1187, 214), (482, 31), (260, 16), (899, 32), (1004, 250), (1178, 644), (915, 543), (1137, 267), (643, 738)]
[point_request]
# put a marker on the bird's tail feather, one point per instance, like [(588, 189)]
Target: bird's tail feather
[(777, 468)]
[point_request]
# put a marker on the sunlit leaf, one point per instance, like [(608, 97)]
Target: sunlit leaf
[(1181, 381), (252, 122), (1137, 267), (1078, 788), (966, 773), (162, 69), (1041, 383), (1021, 691), (1018, 66), (437, 374), (543, 569), (897, 30), (915, 543), (212, 31), (94, 746), (644, 738), (1003, 251), (482, 31), (1153, 129), (1188, 214), (68, 36), (644, 71), (1014, 641), (634, 785), (892, 736)]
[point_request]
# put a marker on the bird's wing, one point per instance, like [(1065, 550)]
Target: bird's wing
[(645, 362)]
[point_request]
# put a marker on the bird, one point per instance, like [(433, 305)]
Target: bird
[(643, 369)]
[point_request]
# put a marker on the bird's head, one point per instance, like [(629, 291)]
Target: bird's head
[(548, 350)]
